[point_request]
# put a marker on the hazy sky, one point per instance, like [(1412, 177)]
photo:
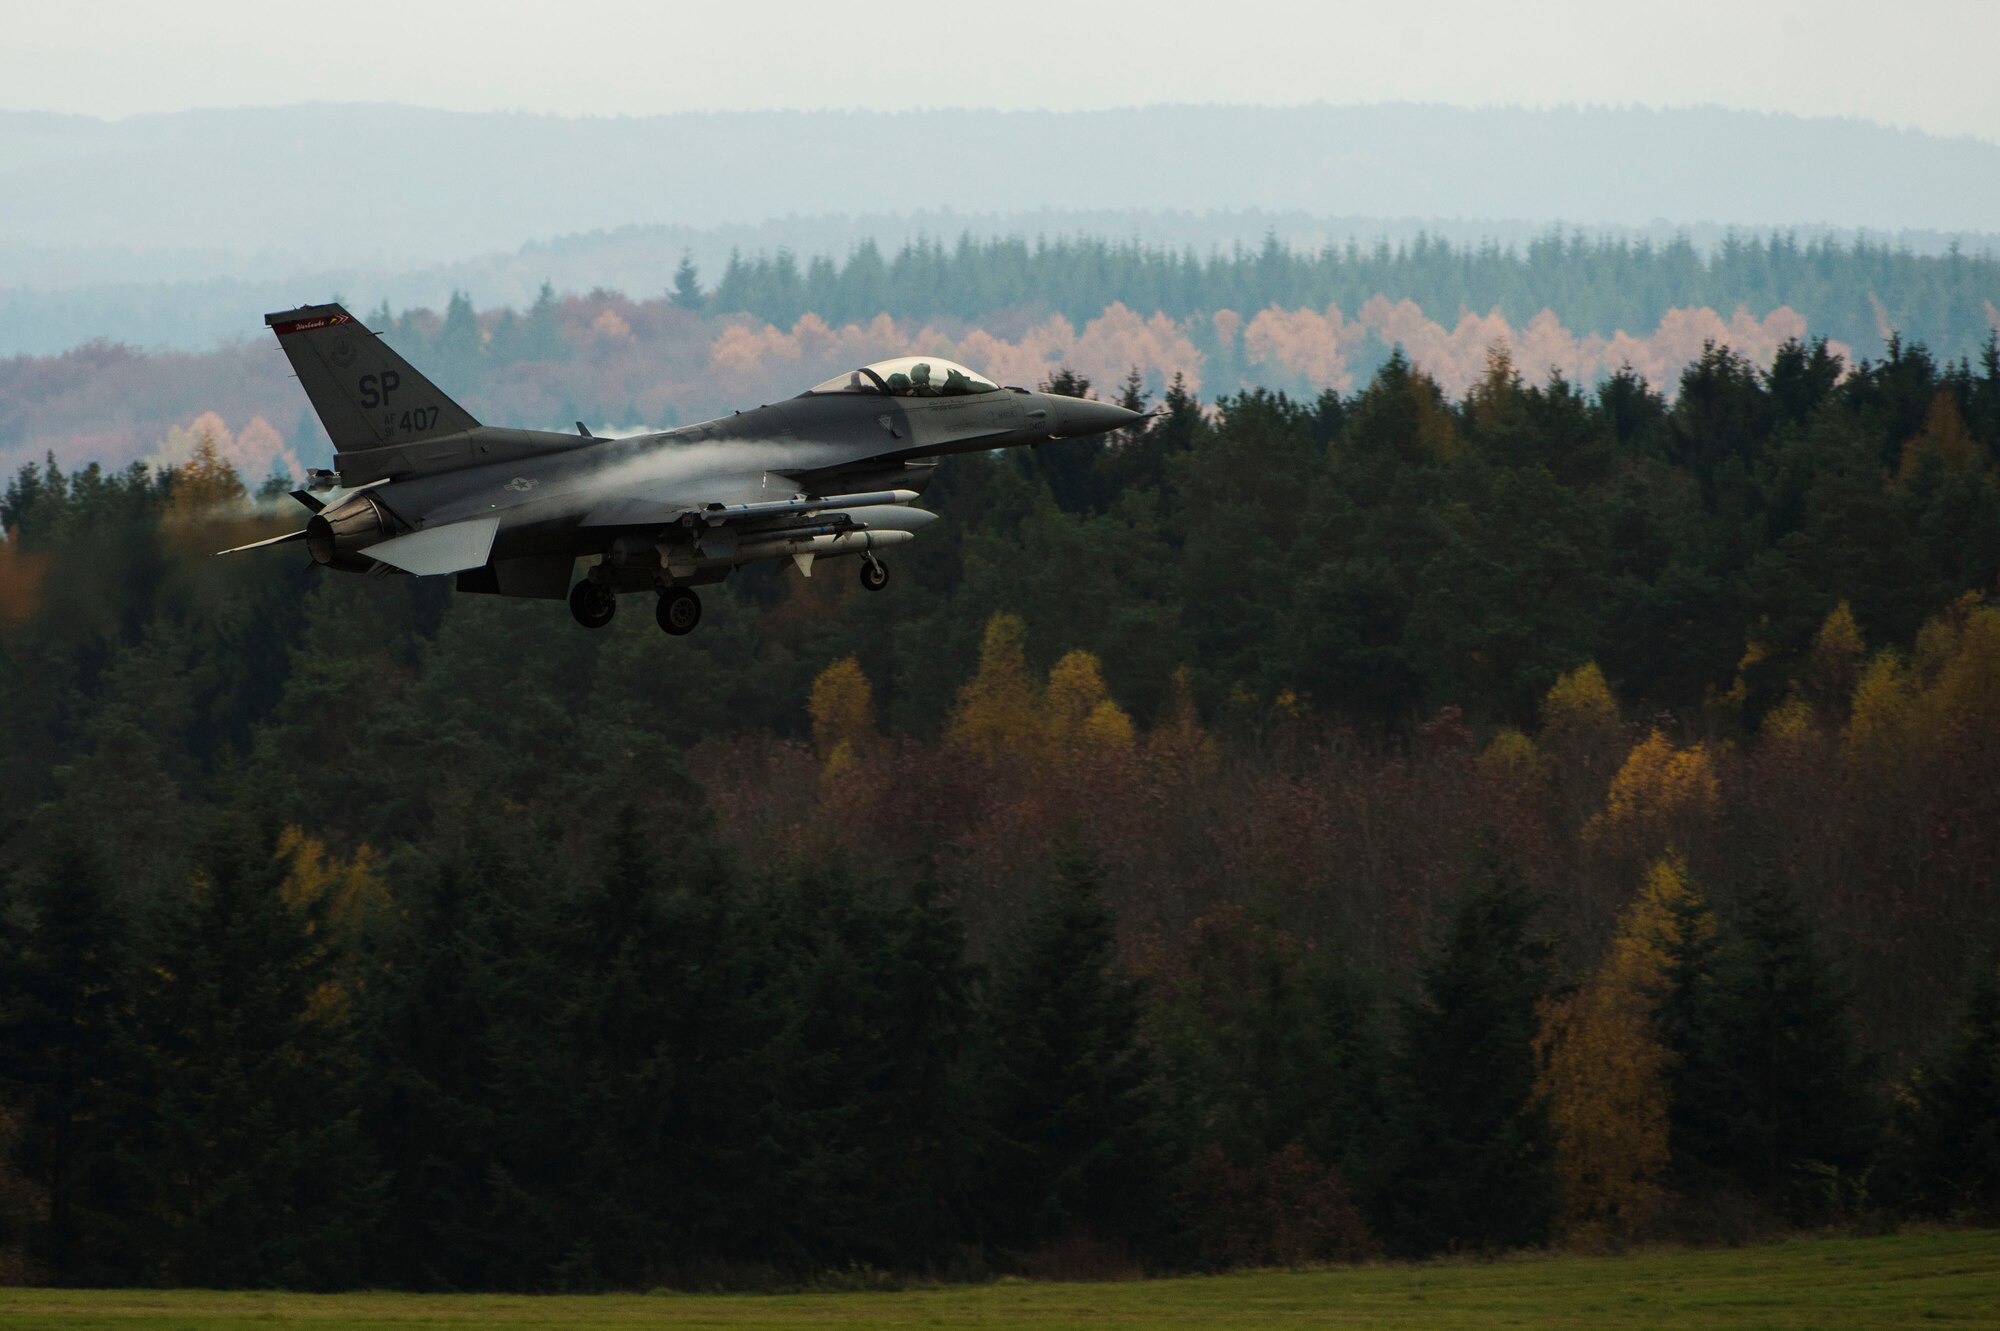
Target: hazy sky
[(1927, 64)]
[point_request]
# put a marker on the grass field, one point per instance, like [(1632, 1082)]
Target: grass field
[(1907, 1280)]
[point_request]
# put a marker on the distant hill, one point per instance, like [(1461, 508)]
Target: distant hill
[(398, 185), (234, 207)]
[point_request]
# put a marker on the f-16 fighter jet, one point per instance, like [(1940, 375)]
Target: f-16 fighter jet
[(420, 487)]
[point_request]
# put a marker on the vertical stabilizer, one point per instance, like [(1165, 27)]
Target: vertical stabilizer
[(377, 408)]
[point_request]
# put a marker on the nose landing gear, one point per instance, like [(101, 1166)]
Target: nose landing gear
[(679, 610), (874, 574)]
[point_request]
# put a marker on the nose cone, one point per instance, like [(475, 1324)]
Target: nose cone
[(1078, 416)]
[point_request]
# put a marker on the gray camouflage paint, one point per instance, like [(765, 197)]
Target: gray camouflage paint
[(425, 488)]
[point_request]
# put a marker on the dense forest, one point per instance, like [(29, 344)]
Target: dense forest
[(1305, 828), (1853, 293), (686, 346)]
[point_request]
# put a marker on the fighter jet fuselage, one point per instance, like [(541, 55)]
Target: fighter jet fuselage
[(424, 489)]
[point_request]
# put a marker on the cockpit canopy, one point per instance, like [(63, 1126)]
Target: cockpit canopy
[(910, 376)]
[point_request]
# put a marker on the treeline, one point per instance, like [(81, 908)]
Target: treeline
[(553, 1057), (1296, 831), (1850, 293)]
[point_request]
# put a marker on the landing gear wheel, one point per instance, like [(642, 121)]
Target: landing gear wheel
[(680, 610), (874, 575), (592, 603)]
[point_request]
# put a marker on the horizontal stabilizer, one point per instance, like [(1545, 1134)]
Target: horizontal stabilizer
[(452, 548), (259, 545)]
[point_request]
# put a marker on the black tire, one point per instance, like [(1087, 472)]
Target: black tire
[(592, 603), (874, 574), (679, 610)]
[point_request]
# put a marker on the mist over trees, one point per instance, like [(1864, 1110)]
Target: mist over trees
[(764, 327), (1393, 821), (1850, 292)]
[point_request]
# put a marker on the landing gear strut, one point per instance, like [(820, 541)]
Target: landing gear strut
[(592, 603), (874, 575), (679, 610)]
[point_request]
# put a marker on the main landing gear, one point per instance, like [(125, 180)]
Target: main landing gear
[(592, 603), (874, 575), (679, 610)]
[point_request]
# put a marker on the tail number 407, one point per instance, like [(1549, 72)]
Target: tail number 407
[(414, 421)]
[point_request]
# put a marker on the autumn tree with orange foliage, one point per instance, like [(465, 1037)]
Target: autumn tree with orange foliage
[(1604, 1066), (1657, 784), (21, 576)]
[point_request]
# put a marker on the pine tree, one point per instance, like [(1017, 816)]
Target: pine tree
[(1688, 1020), (1956, 1160), (628, 1111), (1799, 1126), (1475, 1155), (1071, 1145), (460, 348), (541, 330), (1271, 1073), (432, 1046), (687, 293), (247, 1141), (66, 986), (925, 1117)]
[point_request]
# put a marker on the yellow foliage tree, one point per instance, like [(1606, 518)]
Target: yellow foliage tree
[(338, 893), (1952, 681), (1967, 685), (1603, 1067), (842, 705), (343, 892), (1107, 729), (998, 711), (1836, 659), (1437, 436), (1497, 396), (1513, 759), (1944, 437), (1658, 781), (1580, 701), (1076, 685), (1790, 722), (1755, 654), (1079, 716), (1179, 744), (205, 484), (1883, 716)]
